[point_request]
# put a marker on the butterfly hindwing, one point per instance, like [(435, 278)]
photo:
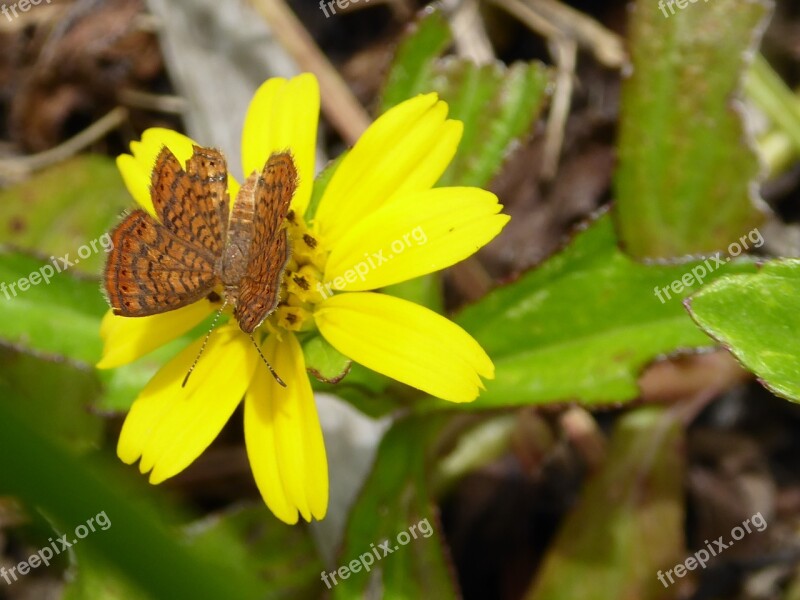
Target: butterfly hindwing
[(150, 270)]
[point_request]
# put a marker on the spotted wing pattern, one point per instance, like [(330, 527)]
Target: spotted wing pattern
[(193, 204), (269, 250), (154, 266)]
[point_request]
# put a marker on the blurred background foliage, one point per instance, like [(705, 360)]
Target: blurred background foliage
[(628, 141)]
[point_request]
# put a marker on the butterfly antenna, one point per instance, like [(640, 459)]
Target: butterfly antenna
[(266, 362), (205, 341)]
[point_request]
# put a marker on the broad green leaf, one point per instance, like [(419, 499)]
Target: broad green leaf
[(687, 177), (324, 361), (582, 325), (66, 209), (757, 317), (53, 394), (628, 523), (61, 317), (138, 542), (394, 510)]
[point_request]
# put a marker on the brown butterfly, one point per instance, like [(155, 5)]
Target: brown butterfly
[(197, 244)]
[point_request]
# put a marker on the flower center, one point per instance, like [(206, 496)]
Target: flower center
[(301, 286)]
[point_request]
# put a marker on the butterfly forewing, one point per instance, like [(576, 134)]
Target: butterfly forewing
[(157, 266), (260, 286), (194, 203)]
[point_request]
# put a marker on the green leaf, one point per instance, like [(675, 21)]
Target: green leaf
[(394, 507), (53, 394), (628, 523), (687, 177), (138, 542), (583, 325), (757, 316), (61, 317), (324, 361), (65, 209)]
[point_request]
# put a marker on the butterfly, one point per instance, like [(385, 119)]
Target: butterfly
[(196, 244)]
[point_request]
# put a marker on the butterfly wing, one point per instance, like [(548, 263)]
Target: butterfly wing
[(269, 249), (157, 266), (150, 270), (193, 204)]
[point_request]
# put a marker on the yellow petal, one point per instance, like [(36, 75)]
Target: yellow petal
[(283, 436), (136, 168), (169, 426), (406, 150), (155, 138), (414, 235), (137, 180), (127, 338), (283, 115), (406, 342)]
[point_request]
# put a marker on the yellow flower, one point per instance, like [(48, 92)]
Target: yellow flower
[(379, 222)]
